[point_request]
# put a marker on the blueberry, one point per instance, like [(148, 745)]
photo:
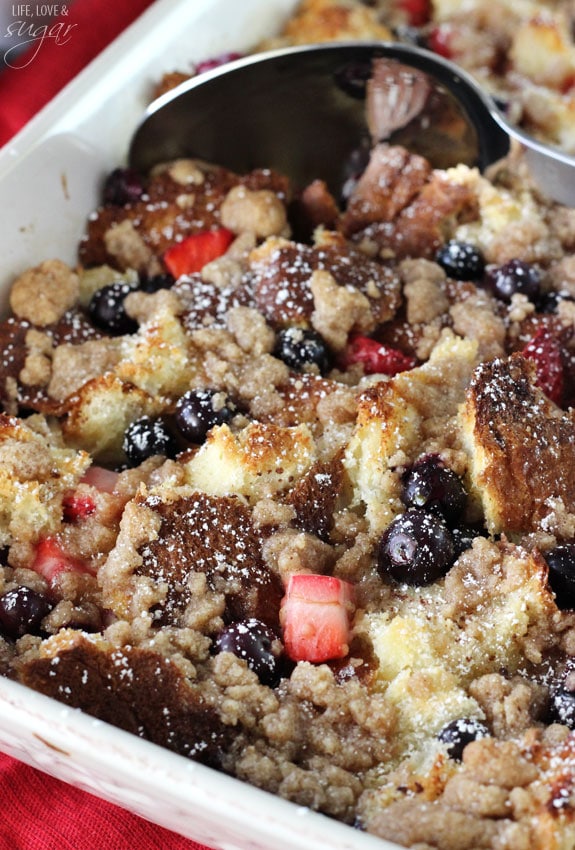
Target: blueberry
[(257, 644), (513, 277), (147, 437), (461, 260), (430, 484), (197, 411), (123, 186), (562, 707), (459, 733), (561, 563), (302, 347), (156, 282), (550, 301), (416, 548), (106, 309), (22, 611)]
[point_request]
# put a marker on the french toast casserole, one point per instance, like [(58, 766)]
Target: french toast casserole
[(287, 486)]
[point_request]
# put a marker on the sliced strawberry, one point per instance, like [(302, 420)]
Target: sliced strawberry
[(545, 351), (377, 359), (418, 12), (80, 503), (216, 62), (315, 616), (191, 254), (104, 480), (440, 41), (77, 506), (51, 560)]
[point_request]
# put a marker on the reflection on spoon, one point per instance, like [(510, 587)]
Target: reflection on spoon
[(288, 110), (396, 94)]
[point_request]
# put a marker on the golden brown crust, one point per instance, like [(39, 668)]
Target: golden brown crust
[(283, 271), (138, 690), (214, 536), (522, 447)]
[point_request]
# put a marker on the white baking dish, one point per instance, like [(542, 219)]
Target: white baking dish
[(51, 173)]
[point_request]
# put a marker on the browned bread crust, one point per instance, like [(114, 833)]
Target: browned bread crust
[(522, 447)]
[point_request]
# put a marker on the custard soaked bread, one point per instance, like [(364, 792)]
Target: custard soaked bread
[(298, 502)]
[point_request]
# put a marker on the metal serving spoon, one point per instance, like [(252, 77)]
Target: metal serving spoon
[(304, 111)]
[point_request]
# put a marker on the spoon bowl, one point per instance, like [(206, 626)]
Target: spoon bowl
[(306, 111)]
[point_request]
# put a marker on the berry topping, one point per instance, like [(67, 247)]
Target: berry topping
[(156, 282), (440, 40), (77, 506), (545, 351), (430, 484), (257, 644), (102, 479), (561, 563), (106, 309), (50, 560), (377, 358), (562, 707), (193, 253), (198, 411), (513, 277), (550, 301), (123, 186), (459, 733), (315, 616), (416, 548), (147, 437), (302, 347), (418, 12), (22, 611), (461, 260), (216, 62)]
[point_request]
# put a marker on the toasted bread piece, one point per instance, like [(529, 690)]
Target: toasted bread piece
[(137, 689), (261, 460), (35, 472), (283, 272), (521, 446), (330, 20), (179, 552), (99, 413), (397, 419), (182, 198)]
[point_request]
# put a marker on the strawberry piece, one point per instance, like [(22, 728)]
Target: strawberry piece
[(545, 351), (377, 359), (315, 616), (418, 12), (102, 479), (191, 254), (216, 62), (77, 506), (51, 560), (440, 41)]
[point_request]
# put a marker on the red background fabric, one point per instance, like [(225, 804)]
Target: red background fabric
[(39, 812), (25, 90)]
